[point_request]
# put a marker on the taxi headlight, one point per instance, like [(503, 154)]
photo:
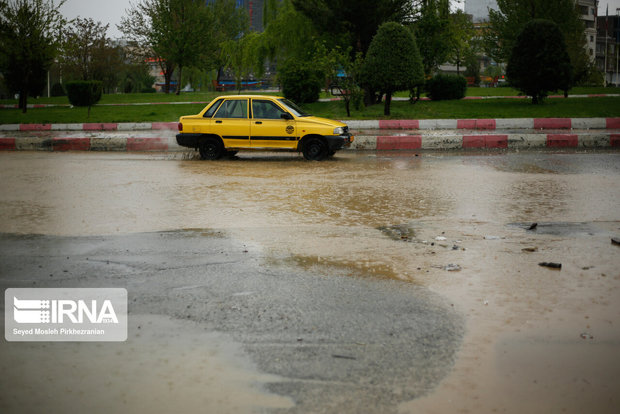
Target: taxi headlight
[(339, 131)]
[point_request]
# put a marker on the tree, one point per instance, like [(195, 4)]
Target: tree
[(29, 39), (228, 22), (539, 62), (472, 65), (82, 43), (510, 18), (86, 53), (393, 62), (288, 34), (353, 22), (433, 34), (244, 57), (181, 33), (462, 38)]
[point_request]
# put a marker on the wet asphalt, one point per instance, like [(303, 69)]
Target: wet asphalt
[(338, 343)]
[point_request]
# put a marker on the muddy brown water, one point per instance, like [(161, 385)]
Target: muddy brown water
[(538, 340)]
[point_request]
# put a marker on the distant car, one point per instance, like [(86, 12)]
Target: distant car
[(257, 122)]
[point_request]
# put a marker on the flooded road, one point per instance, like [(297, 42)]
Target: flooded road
[(455, 225)]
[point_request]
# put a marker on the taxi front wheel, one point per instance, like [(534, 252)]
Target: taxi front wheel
[(315, 149), (211, 148)]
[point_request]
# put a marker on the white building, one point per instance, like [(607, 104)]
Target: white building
[(479, 9), (587, 9)]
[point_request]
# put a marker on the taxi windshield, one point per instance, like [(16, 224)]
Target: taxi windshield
[(291, 106)]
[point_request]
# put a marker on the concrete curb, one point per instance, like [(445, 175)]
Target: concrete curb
[(362, 142), (500, 141), (130, 126), (405, 124), (487, 124)]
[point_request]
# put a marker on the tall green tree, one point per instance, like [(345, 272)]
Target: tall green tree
[(510, 18), (432, 31), (289, 34), (462, 39), (539, 62), (182, 33), (353, 23), (83, 53), (393, 62), (228, 22), (245, 57), (29, 38)]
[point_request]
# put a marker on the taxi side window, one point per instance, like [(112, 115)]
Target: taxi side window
[(266, 110), (213, 108), (237, 108)]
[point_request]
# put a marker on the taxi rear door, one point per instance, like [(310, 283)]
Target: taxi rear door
[(231, 122)]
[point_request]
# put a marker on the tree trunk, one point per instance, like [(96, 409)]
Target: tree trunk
[(388, 101), (167, 77), (178, 92), (23, 101)]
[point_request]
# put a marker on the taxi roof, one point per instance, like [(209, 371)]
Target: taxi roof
[(249, 97)]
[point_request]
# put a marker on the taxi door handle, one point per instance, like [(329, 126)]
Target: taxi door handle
[(218, 122), (258, 123)]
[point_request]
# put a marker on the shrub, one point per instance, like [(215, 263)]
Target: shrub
[(444, 87), (57, 90), (539, 62), (301, 83), (84, 93), (393, 62)]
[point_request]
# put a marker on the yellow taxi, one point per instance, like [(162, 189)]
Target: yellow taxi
[(258, 122)]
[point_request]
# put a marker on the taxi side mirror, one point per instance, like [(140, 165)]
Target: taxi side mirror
[(286, 116)]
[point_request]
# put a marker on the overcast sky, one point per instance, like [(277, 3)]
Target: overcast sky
[(111, 11)]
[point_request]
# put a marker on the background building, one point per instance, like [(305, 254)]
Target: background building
[(479, 9), (587, 10), (607, 45), (255, 11)]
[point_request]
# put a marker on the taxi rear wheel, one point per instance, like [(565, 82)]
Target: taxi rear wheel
[(211, 148), (315, 149)]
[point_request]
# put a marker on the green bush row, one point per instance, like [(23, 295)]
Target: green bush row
[(446, 87)]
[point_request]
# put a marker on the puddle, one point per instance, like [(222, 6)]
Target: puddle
[(165, 366)]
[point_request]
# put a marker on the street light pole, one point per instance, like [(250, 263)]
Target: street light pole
[(617, 33)]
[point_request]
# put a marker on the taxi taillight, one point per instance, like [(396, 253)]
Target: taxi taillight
[(180, 127)]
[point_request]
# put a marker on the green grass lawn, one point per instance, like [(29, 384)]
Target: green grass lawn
[(472, 109), (461, 109), (208, 96), (507, 108)]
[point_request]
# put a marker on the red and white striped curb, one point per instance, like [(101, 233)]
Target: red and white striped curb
[(406, 124), (499, 141), (487, 124), (105, 126), (370, 142), (88, 144)]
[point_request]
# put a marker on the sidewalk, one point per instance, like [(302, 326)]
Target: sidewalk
[(393, 135)]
